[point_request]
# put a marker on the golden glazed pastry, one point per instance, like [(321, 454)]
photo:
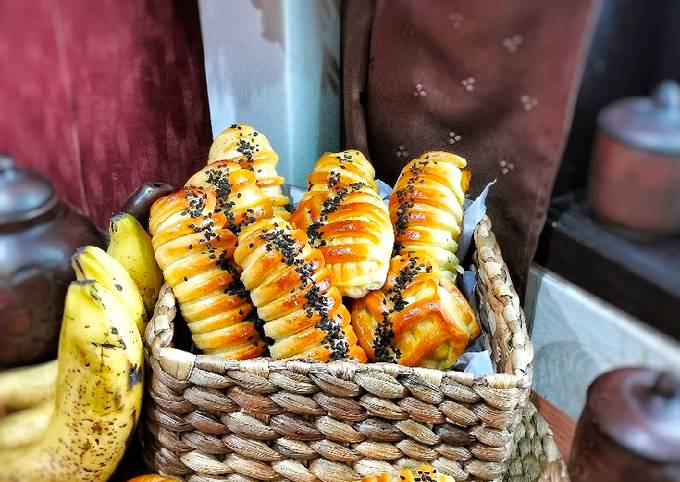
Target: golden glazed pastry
[(293, 291), (195, 253), (347, 220), (424, 473), (251, 149), (347, 167), (419, 318), (237, 195), (426, 207)]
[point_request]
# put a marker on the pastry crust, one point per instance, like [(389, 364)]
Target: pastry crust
[(195, 251), (293, 290), (424, 473), (236, 193), (251, 149), (347, 220), (426, 208), (419, 318)]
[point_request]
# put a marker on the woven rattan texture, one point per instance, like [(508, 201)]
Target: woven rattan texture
[(211, 419), (536, 457)]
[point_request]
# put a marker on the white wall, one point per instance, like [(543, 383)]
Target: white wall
[(275, 65)]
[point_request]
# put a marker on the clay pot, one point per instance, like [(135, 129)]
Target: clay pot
[(634, 180), (38, 235), (629, 429)]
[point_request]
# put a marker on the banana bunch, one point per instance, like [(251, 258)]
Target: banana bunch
[(98, 397), (71, 418)]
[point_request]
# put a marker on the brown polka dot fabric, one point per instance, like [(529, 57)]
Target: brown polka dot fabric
[(492, 80)]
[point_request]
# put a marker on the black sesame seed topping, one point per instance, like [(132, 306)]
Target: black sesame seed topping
[(196, 200), (245, 148), (382, 342), (333, 179), (335, 337), (313, 234), (282, 242)]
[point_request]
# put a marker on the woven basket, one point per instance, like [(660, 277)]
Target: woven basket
[(211, 419)]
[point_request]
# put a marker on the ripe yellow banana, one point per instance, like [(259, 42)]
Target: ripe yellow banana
[(26, 387), (99, 394), (92, 263), (131, 246), (24, 427)]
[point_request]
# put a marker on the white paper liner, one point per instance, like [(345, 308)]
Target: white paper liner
[(476, 359)]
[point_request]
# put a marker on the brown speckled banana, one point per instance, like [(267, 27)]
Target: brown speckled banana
[(90, 262), (98, 398)]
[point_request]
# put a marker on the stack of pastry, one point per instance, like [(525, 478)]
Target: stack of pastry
[(252, 150), (245, 277), (419, 317), (194, 250), (237, 195), (293, 290), (426, 207), (347, 220), (194, 236), (194, 233)]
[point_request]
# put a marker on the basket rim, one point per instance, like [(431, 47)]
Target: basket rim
[(510, 344)]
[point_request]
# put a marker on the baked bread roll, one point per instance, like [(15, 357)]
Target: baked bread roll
[(426, 208), (251, 149), (346, 219), (419, 318), (195, 253), (236, 193), (293, 291), (346, 167), (424, 473)]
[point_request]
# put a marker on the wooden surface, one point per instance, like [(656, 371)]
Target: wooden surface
[(562, 426)]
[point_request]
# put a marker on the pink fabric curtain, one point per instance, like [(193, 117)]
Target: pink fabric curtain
[(103, 96)]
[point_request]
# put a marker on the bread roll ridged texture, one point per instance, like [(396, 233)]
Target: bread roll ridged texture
[(293, 290), (426, 208), (424, 473), (252, 150), (236, 193), (419, 318), (195, 252), (347, 220)]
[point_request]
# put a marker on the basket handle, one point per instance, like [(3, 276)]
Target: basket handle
[(512, 348), (160, 329)]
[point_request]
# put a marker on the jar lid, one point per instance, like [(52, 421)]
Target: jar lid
[(648, 123), (24, 195), (639, 408)]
